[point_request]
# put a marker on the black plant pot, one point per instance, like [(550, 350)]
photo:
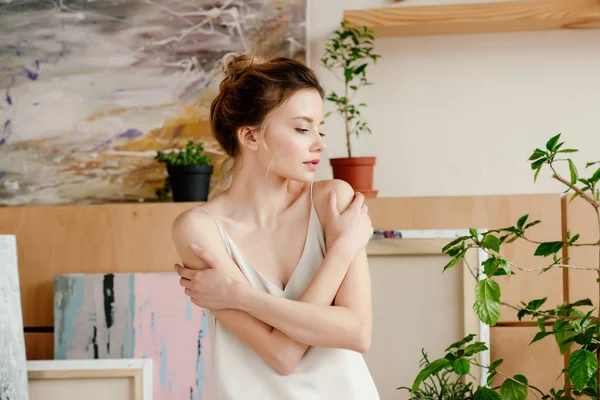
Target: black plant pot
[(189, 182)]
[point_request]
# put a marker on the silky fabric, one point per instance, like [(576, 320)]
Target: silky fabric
[(235, 372)]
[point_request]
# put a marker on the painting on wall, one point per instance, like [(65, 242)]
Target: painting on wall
[(139, 315), (90, 90), (13, 366)]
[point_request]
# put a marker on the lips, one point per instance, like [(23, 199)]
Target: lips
[(314, 162)]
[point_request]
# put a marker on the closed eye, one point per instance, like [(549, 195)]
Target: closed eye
[(306, 130)]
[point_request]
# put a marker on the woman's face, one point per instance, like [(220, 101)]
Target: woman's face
[(294, 137)]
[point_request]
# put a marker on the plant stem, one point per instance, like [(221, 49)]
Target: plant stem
[(549, 316), (531, 388), (598, 282), (348, 145), (553, 266), (581, 193), (573, 244), (471, 270)]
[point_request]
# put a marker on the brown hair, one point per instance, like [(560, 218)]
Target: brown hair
[(253, 88)]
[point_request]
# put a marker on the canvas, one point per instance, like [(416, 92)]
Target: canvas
[(13, 367), (91, 89), (140, 315)]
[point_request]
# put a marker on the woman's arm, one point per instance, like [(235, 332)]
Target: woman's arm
[(348, 323), (276, 348)]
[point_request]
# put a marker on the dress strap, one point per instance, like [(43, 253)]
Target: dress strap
[(221, 231)]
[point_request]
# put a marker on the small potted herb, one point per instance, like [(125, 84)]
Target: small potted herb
[(189, 172)]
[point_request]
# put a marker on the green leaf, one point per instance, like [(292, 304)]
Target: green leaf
[(522, 221), (511, 390), (505, 267), (495, 364), (360, 69), (568, 151), (552, 142), (548, 248), (596, 176), (484, 393), (490, 266), (537, 153), (454, 261), (537, 164), (582, 366), (473, 233), (459, 344), (573, 171), (487, 301), (537, 172), (540, 336), (562, 332), (491, 242), (432, 369), (474, 348), (536, 304), (584, 302), (454, 242), (461, 366)]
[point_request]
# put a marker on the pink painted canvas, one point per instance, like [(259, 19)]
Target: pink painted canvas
[(140, 315)]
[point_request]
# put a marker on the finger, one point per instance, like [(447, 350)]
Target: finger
[(365, 208), (195, 302), (333, 203), (205, 255), (359, 200), (184, 272), (186, 283)]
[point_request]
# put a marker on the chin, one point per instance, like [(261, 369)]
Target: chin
[(304, 177)]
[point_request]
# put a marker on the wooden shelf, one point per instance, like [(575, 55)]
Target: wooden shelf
[(510, 16)]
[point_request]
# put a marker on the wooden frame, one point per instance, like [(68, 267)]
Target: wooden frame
[(139, 370), (506, 16), (431, 242)]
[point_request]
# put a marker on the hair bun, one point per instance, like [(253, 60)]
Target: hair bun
[(235, 64)]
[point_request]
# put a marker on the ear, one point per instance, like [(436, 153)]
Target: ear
[(248, 137)]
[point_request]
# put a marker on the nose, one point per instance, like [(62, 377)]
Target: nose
[(319, 144)]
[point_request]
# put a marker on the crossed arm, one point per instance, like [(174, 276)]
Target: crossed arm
[(334, 310)]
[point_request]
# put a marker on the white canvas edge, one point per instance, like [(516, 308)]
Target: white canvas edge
[(484, 329), (135, 364)]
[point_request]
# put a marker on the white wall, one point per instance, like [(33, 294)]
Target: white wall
[(460, 114)]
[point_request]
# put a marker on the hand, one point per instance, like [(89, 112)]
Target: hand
[(351, 229), (209, 288)]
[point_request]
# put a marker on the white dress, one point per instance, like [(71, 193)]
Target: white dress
[(235, 372)]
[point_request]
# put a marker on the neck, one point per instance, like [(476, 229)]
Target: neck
[(258, 197)]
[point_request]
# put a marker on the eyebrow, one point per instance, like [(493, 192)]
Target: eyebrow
[(308, 119)]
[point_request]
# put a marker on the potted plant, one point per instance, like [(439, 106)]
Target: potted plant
[(189, 172), (347, 55), (574, 326)]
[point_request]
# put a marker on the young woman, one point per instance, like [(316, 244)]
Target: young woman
[(278, 262)]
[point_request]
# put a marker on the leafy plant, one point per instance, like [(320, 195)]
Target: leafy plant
[(192, 154), (441, 383), (347, 55), (574, 327)]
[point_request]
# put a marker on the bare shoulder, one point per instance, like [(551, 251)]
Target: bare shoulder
[(321, 189), (195, 226)]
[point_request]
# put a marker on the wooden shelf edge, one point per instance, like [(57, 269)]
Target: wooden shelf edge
[(510, 16)]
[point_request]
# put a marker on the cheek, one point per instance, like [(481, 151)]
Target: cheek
[(288, 148)]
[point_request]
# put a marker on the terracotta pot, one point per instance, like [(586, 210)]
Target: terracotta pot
[(357, 171)]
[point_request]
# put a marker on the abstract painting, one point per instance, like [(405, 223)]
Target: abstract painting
[(13, 364), (90, 90), (139, 315)]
